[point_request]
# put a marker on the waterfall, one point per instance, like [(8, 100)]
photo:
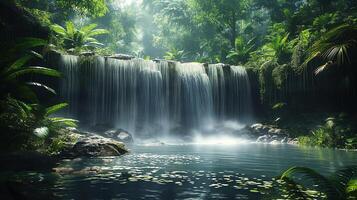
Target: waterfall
[(147, 97)]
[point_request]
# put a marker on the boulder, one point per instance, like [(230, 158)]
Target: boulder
[(120, 135), (95, 146)]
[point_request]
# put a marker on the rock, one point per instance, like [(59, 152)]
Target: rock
[(293, 141), (121, 56), (94, 146), (120, 135), (264, 138), (89, 53)]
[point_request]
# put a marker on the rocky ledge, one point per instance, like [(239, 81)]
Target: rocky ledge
[(270, 134), (92, 145)]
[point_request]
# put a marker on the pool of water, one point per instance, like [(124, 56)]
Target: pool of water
[(243, 171)]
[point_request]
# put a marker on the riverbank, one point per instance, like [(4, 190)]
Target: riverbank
[(332, 130)]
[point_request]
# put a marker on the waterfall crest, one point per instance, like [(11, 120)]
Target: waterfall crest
[(147, 97)]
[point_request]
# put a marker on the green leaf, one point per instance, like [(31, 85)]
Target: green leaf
[(58, 29), (55, 108), (32, 70), (19, 63), (351, 186), (97, 32), (42, 86), (309, 174), (41, 132), (70, 28), (29, 42), (64, 121), (88, 28)]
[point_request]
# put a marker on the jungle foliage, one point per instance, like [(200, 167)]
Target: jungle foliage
[(26, 124)]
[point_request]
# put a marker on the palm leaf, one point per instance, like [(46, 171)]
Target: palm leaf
[(35, 54), (58, 29), (70, 28), (351, 186), (293, 189), (29, 42), (342, 177), (19, 63), (97, 32), (42, 86), (87, 29), (309, 174), (32, 70), (55, 108), (64, 121)]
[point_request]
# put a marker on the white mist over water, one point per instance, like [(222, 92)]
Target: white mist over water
[(156, 98)]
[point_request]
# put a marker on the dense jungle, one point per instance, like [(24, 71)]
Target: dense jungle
[(178, 99)]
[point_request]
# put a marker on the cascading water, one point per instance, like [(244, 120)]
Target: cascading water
[(147, 97)]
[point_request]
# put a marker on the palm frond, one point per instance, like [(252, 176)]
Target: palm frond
[(293, 189), (351, 186), (55, 108), (60, 121), (58, 29), (29, 42), (341, 178), (88, 28), (96, 32), (32, 70), (42, 86), (19, 63), (70, 29), (309, 174)]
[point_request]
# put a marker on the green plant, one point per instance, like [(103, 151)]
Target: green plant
[(175, 54), (335, 48), (30, 126), (14, 74), (340, 185), (240, 54), (279, 44), (75, 40)]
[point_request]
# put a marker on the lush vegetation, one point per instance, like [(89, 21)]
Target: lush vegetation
[(25, 123)]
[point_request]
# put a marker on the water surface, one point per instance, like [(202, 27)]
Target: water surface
[(243, 171)]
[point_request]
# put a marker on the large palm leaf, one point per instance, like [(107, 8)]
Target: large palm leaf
[(335, 47), (335, 187)]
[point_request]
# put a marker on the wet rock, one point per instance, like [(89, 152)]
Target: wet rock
[(122, 56), (93, 146), (120, 135), (89, 53), (263, 138)]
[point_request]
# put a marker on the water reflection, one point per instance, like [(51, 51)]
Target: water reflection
[(188, 172)]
